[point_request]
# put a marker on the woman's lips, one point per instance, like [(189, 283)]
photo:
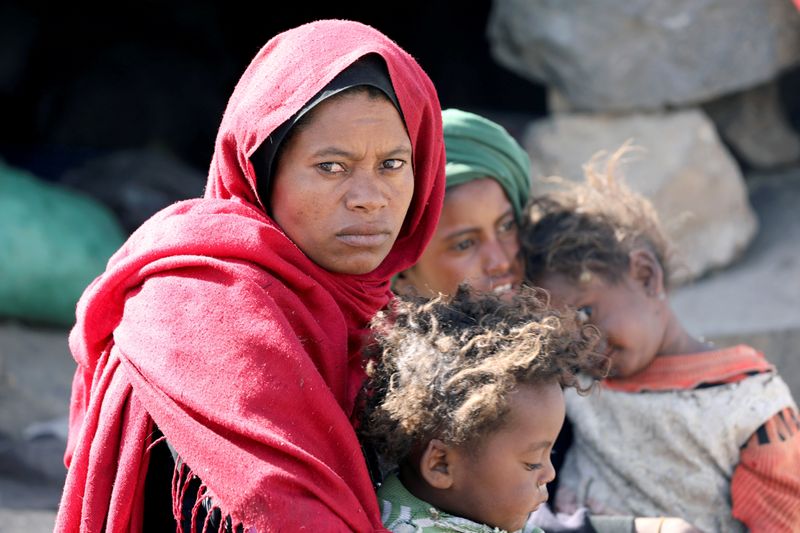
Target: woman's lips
[(363, 236)]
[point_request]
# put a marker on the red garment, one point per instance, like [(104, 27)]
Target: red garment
[(212, 324), (765, 486), (688, 371)]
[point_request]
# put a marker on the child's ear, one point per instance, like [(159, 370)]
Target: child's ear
[(645, 269), (434, 465)]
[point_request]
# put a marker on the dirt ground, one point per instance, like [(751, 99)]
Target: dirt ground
[(35, 375)]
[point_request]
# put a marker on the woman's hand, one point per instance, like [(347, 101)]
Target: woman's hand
[(663, 525)]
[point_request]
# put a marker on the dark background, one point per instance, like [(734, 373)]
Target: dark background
[(79, 81)]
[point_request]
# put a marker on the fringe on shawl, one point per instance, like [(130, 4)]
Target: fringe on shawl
[(182, 487)]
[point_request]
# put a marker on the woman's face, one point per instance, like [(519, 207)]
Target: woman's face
[(344, 183), (476, 242)]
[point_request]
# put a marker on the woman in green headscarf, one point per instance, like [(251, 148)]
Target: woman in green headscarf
[(476, 241)]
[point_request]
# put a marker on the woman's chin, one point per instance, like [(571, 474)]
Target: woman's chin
[(353, 264)]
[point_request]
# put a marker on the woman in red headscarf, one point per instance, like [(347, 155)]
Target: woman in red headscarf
[(232, 324)]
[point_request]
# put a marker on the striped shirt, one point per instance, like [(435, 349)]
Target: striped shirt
[(695, 410), (402, 512)]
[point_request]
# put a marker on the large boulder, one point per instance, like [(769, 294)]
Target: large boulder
[(755, 125), (641, 54), (691, 178)]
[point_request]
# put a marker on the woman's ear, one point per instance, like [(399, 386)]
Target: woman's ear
[(434, 465), (645, 269)]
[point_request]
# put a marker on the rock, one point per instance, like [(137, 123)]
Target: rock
[(756, 300), (684, 169), (28, 520), (35, 389), (57, 428), (38, 462), (557, 102), (137, 183), (755, 125), (36, 380), (623, 55)]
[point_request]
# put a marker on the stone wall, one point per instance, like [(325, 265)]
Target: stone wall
[(693, 83), (710, 90)]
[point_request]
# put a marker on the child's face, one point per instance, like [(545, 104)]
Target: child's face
[(504, 481), (633, 321)]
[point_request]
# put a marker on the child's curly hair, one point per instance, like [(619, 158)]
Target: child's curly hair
[(591, 227), (444, 368)]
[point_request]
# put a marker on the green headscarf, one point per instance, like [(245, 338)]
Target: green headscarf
[(479, 148)]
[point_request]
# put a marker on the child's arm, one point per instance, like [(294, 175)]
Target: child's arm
[(765, 489)]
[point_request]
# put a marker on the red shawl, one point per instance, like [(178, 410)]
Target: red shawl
[(212, 324)]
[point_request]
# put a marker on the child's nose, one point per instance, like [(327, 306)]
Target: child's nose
[(549, 473)]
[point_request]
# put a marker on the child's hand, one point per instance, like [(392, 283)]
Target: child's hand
[(663, 525)]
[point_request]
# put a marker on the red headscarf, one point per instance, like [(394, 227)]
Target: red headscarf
[(212, 324)]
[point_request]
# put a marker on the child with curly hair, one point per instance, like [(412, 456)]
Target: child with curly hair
[(465, 398), (679, 427)]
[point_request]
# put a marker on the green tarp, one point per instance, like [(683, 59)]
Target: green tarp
[(53, 243)]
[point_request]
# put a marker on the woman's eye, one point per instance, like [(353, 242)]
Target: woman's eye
[(330, 166), (464, 245), (393, 164), (508, 225), (585, 313)]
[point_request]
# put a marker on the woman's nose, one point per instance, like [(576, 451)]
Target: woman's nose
[(496, 259), (365, 192)]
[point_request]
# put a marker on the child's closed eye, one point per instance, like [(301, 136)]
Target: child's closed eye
[(533, 466)]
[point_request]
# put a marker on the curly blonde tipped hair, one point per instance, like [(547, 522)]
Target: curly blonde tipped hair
[(591, 227), (445, 367)]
